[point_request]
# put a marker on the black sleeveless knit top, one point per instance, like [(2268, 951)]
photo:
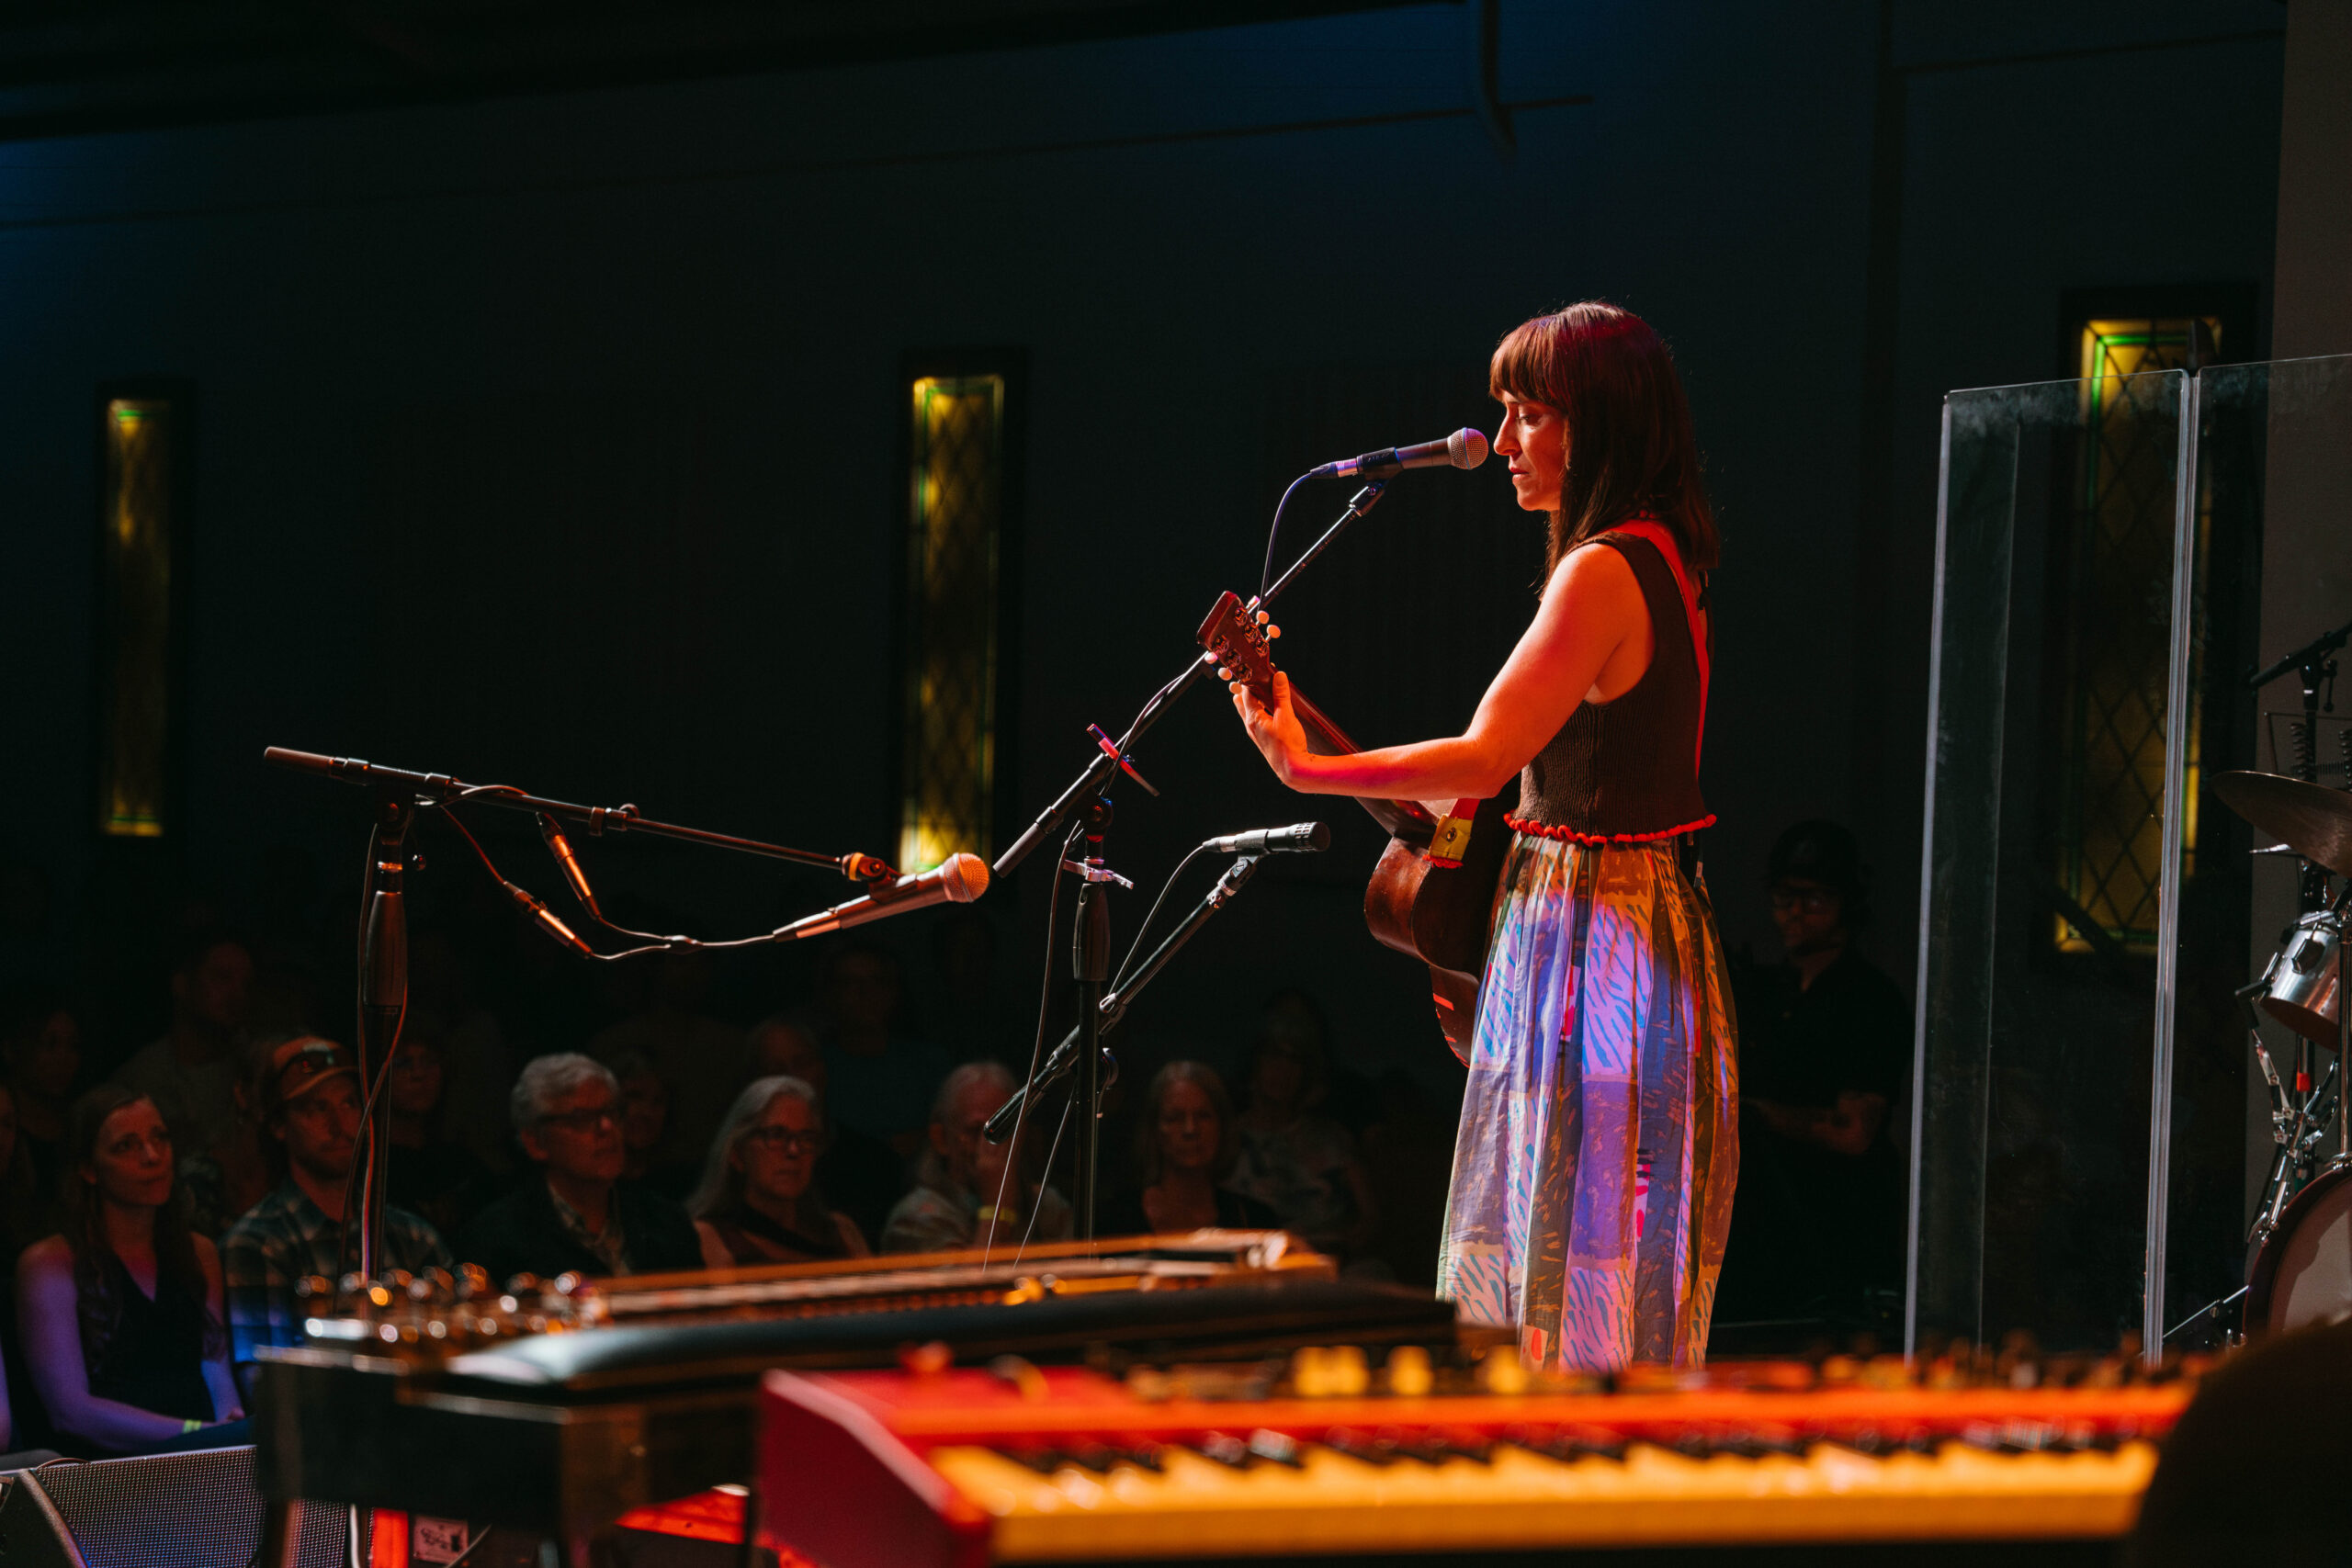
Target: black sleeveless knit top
[(1627, 771), (155, 1358)]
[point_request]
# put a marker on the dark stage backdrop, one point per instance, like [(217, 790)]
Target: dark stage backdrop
[(555, 440)]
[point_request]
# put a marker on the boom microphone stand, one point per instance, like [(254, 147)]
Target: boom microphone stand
[(383, 955)]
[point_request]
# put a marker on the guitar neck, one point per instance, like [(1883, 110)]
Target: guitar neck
[(1402, 819)]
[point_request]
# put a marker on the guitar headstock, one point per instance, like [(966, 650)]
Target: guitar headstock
[(1239, 640)]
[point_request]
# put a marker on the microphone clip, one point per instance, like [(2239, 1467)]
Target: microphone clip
[(1095, 870), (1126, 766)]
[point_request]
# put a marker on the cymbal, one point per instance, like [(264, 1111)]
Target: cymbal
[(2316, 821)]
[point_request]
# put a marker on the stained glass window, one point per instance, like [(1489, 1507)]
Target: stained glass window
[(2117, 613), (140, 442), (954, 528)]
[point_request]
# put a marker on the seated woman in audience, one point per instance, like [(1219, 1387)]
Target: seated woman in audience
[(758, 1202), (1185, 1145), (428, 1173), (1295, 1161), (645, 1126), (21, 1222), (41, 1052), (123, 1320)]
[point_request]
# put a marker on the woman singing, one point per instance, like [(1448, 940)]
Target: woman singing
[(1593, 1170)]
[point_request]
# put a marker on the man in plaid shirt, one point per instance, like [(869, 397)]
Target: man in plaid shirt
[(310, 1106)]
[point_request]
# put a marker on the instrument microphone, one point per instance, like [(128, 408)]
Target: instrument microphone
[(560, 846), (1299, 837), (1462, 449), (959, 879), (546, 920)]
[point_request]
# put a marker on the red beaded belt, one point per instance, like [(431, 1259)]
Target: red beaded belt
[(1547, 831)]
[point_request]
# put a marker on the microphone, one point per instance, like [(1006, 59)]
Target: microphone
[(560, 846), (547, 920), (959, 879), (1462, 449), (1300, 838)]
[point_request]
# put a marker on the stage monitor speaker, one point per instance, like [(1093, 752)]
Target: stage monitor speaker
[(31, 1533), (182, 1510)]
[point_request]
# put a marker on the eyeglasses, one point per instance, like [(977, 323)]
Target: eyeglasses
[(586, 1121), (785, 1140)]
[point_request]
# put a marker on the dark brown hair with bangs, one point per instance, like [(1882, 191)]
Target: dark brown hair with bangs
[(1630, 447)]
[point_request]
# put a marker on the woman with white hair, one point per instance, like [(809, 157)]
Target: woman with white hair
[(758, 1202)]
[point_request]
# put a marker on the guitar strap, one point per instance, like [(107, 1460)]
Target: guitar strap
[(1650, 528)]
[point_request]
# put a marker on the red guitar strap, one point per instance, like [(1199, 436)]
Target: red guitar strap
[(1650, 528)]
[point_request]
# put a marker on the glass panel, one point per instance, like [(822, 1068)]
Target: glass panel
[(2056, 524), (134, 616), (2273, 573), (954, 520)]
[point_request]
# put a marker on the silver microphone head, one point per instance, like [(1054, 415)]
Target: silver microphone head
[(1466, 448)]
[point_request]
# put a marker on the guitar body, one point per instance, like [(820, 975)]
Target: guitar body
[(1436, 907)]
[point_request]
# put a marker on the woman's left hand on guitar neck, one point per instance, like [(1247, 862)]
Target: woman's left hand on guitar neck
[(1591, 640)]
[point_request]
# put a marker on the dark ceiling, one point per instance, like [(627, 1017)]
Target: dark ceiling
[(70, 66)]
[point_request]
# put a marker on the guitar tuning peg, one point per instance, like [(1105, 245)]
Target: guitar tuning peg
[(1273, 632), (1223, 674), (1263, 616)]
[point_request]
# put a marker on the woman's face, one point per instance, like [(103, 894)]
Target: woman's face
[(1188, 1127), (778, 1155), (1534, 438), (415, 1086), (645, 1110), (132, 1163), (45, 1061)]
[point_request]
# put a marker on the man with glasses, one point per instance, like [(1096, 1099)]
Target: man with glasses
[(969, 1192), (577, 1216), (1825, 1049), (310, 1105)]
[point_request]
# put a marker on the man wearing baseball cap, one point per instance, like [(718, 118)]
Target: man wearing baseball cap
[(307, 1092)]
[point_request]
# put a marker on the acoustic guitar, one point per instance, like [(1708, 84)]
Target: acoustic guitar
[(1432, 895)]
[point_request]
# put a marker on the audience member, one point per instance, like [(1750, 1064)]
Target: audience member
[(758, 1202), (878, 1080), (578, 1216), (228, 1178), (858, 1174), (40, 1053), (696, 1055), (1407, 1154), (967, 1011), (122, 1312), (1294, 1161), (476, 1068), (969, 1192), (1824, 1046), (23, 1220), (190, 1072), (309, 1094), (645, 1125), (1185, 1145), (426, 1171)]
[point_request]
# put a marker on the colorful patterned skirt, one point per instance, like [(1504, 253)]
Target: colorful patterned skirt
[(1592, 1176)]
